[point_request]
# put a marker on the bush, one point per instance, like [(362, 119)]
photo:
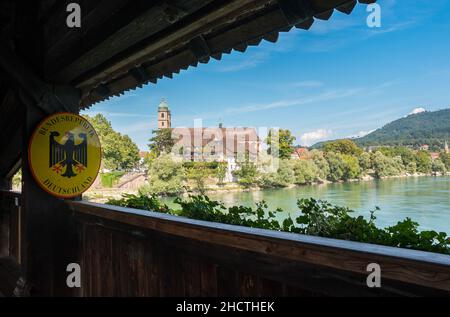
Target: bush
[(165, 176), (386, 166), (318, 218), (321, 163), (306, 172), (140, 201), (424, 163), (438, 167), (198, 174), (247, 174), (337, 166), (108, 180)]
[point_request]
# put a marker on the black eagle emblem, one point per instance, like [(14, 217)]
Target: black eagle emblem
[(69, 154)]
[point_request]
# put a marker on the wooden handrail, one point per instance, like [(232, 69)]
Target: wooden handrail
[(408, 266)]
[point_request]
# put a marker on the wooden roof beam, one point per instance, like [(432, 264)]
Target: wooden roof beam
[(48, 98), (176, 37)]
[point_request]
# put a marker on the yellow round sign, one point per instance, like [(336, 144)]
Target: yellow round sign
[(64, 155)]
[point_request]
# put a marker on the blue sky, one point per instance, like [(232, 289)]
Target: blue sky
[(339, 79)]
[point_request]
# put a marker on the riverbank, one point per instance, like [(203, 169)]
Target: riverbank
[(102, 195), (238, 188)]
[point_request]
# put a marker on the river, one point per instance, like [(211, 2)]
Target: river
[(426, 200)]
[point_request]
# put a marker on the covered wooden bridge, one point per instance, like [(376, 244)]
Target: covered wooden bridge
[(47, 67)]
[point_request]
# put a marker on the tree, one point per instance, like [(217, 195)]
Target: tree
[(321, 163), (118, 151), (166, 176), (347, 147), (445, 158), (283, 146), (129, 153), (438, 167), (411, 168), (352, 170), (365, 161), (285, 175), (386, 166), (337, 166), (306, 172), (247, 174), (424, 163), (405, 153), (221, 172), (198, 173), (162, 141)]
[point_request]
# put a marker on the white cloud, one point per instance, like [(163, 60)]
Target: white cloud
[(328, 95), (417, 111), (360, 134), (310, 138)]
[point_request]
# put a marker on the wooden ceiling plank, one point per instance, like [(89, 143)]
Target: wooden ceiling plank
[(109, 17), (179, 36), (136, 24)]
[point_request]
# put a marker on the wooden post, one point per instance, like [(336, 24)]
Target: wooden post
[(49, 240), (48, 236)]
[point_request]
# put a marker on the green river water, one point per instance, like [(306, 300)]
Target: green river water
[(423, 199)]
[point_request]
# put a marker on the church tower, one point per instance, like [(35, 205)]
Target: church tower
[(164, 118)]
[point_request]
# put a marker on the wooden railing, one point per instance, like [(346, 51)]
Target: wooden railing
[(127, 252)]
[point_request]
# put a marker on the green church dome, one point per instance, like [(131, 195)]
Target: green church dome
[(163, 106)]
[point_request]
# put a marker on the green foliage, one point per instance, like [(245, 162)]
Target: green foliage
[(285, 174), (141, 201), (108, 180), (321, 163), (221, 172), (162, 141), (385, 166), (424, 163), (306, 172), (438, 167), (129, 153), (411, 168), (283, 177), (445, 158), (343, 167), (347, 147), (407, 155), (316, 217), (415, 130), (352, 170), (247, 174), (198, 174), (165, 176), (281, 147), (365, 161), (118, 151), (337, 166)]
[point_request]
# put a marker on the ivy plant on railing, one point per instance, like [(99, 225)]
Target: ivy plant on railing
[(316, 217)]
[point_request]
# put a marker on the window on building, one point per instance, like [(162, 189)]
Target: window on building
[(162, 115), (162, 123)]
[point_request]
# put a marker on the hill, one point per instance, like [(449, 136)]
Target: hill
[(431, 128)]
